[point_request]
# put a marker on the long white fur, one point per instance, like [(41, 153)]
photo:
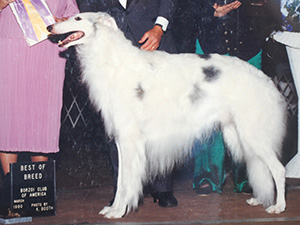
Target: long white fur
[(156, 104)]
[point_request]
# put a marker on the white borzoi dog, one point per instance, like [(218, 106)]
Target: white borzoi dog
[(156, 104)]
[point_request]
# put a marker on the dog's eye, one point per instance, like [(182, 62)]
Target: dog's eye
[(78, 18)]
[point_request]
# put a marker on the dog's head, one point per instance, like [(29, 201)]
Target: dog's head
[(80, 27)]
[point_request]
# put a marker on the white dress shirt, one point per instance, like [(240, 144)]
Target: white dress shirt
[(159, 20)]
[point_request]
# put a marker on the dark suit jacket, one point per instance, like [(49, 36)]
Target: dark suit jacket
[(138, 18), (184, 28)]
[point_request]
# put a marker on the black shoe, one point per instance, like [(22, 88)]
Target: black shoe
[(205, 188), (4, 212), (165, 199)]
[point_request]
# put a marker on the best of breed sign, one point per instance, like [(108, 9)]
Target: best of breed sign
[(33, 17), (33, 189)]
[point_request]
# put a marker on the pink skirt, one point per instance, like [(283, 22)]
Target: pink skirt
[(31, 86)]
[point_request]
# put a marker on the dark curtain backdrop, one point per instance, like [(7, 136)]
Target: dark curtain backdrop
[(84, 153)]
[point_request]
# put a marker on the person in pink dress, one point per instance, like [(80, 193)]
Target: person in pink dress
[(31, 86)]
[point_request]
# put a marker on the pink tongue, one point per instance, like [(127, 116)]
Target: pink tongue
[(73, 37)]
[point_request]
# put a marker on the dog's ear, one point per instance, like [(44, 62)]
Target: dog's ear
[(107, 21)]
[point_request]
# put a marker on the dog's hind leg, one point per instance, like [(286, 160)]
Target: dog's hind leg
[(263, 166), (278, 172), (262, 171), (132, 171), (233, 142), (261, 181)]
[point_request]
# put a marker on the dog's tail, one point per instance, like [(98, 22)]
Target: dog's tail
[(261, 180)]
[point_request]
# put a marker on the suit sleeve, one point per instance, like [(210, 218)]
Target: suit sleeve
[(91, 6), (204, 11), (87, 5), (167, 9)]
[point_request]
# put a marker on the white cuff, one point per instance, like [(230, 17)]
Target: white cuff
[(163, 22)]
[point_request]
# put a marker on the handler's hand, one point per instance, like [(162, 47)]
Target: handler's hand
[(59, 20), (4, 3), (224, 9), (151, 38)]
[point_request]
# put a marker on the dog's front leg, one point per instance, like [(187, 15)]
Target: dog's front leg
[(132, 170)]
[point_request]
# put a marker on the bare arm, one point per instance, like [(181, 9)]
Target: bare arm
[(224, 9), (4, 3)]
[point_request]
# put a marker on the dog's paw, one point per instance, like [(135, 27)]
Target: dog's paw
[(112, 212), (276, 209), (253, 202), (105, 210)]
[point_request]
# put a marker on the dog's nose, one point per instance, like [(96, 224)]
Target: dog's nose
[(49, 28)]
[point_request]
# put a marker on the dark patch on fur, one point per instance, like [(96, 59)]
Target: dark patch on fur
[(196, 94), (211, 73), (152, 66), (140, 92), (206, 56)]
